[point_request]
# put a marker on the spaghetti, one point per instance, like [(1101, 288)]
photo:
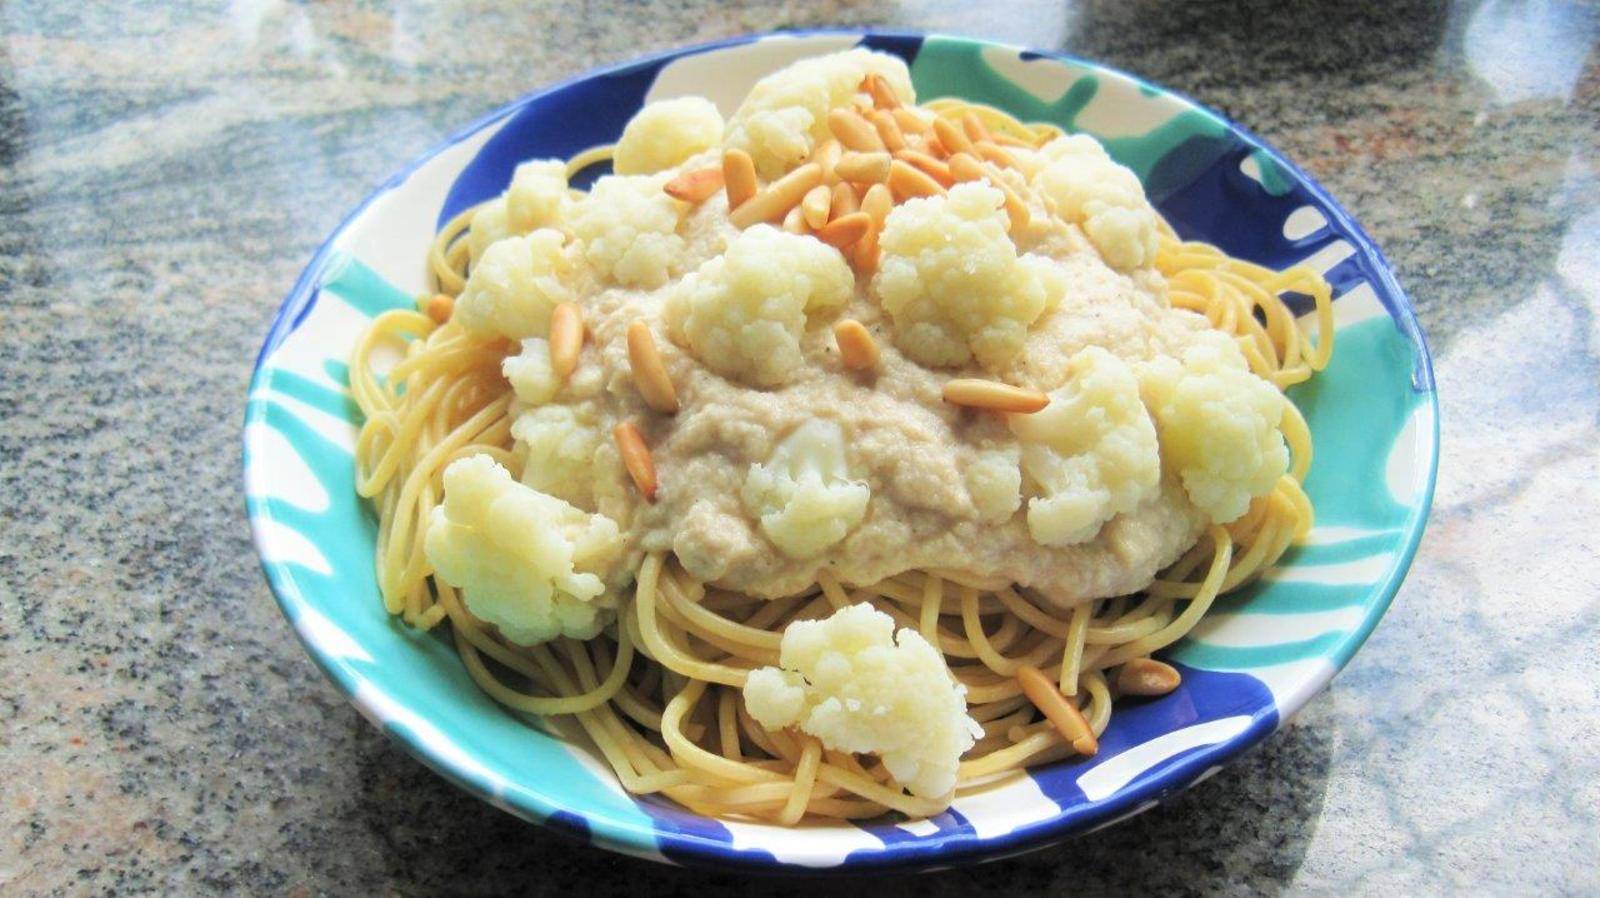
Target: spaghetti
[(657, 693)]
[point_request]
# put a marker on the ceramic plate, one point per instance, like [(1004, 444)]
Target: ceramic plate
[(1255, 660)]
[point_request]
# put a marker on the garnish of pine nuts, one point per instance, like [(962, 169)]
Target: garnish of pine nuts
[(739, 176), (636, 458), (888, 131), (439, 307), (816, 205), (974, 127), (843, 201), (773, 202), (857, 349), (883, 96), (951, 136), (907, 182), (936, 169), (994, 396), (863, 168), (853, 131), (695, 186), (1147, 676), (1062, 714), (649, 374), (845, 230), (566, 338)]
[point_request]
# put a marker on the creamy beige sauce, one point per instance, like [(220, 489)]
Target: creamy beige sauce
[(904, 442)]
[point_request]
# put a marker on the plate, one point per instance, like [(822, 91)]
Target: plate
[(1254, 660)]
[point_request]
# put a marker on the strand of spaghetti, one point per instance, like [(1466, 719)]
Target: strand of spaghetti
[(1099, 710), (850, 781), (728, 725), (1145, 618), (1032, 614), (832, 590), (589, 157), (932, 599), (709, 622), (1072, 652), (1191, 615), (1007, 758), (449, 280), (661, 648), (688, 754), (805, 776), (1298, 436)]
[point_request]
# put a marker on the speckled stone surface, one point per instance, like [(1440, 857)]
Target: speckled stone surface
[(167, 169)]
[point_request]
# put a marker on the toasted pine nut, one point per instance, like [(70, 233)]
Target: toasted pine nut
[(936, 169), (906, 182), (845, 230), (883, 96), (992, 152), (636, 458), (974, 127), (857, 349), (993, 395), (910, 122), (866, 249), (649, 375), (877, 202), (816, 204), (795, 221), (778, 198), (1147, 676), (950, 134), (843, 201), (826, 154), (1062, 714), (888, 132), (739, 174), (695, 186), (1008, 140), (966, 168), (439, 307), (566, 338), (864, 168), (853, 131)]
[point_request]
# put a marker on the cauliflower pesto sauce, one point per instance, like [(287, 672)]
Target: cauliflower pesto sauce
[(775, 460)]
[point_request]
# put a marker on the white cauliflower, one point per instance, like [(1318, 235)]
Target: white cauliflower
[(995, 484), (1091, 454), (803, 495), (786, 113), (1084, 186), (1218, 424), (858, 686), (514, 287), (665, 133), (534, 200), (629, 230), (528, 563), (530, 374), (953, 283), (562, 450), (742, 314)]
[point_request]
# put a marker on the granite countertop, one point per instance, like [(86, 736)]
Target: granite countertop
[(167, 169)]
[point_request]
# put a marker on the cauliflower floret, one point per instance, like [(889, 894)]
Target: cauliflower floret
[(1218, 424), (1091, 453), (530, 374), (742, 314), (995, 484), (561, 450), (629, 229), (666, 132), (953, 283), (528, 563), (786, 113), (803, 495), (512, 290), (1084, 186), (858, 686), (534, 200)]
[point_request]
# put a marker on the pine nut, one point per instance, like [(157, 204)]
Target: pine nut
[(853, 131), (883, 96), (936, 169), (816, 204), (866, 249), (857, 349), (888, 131), (966, 168), (778, 198), (827, 155), (992, 152), (695, 186), (649, 374), (951, 135), (566, 338), (739, 174), (974, 126), (845, 230), (1147, 676), (906, 182), (877, 202), (864, 168), (439, 307), (843, 201), (1008, 140), (1062, 714), (993, 396), (636, 458), (910, 122), (795, 221)]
